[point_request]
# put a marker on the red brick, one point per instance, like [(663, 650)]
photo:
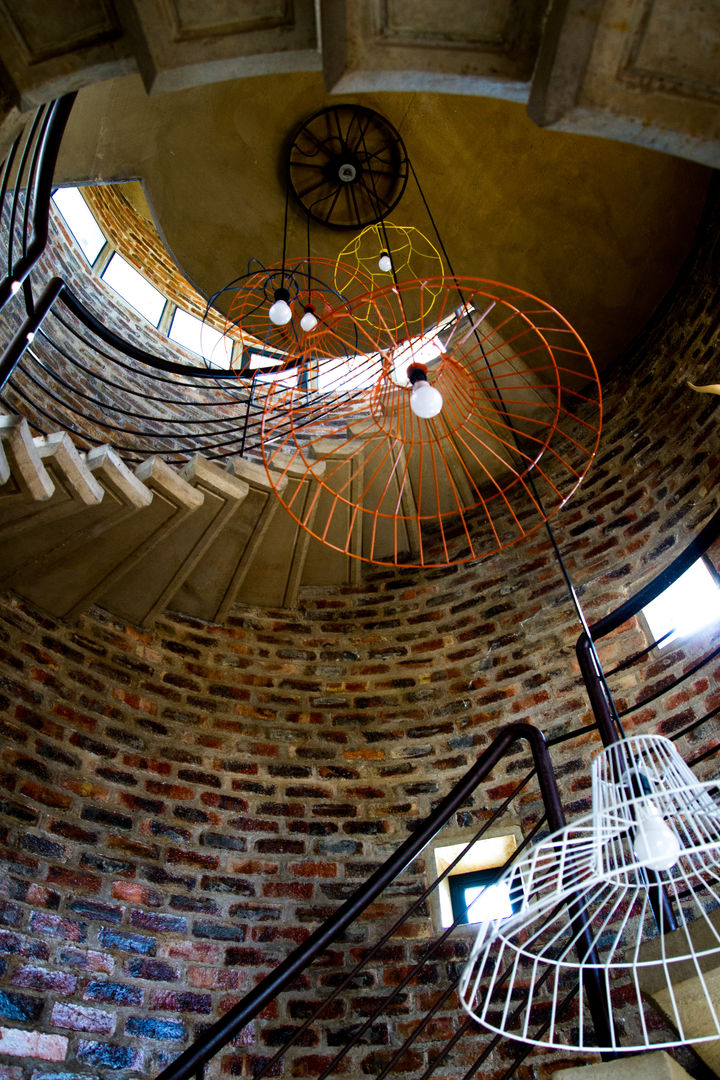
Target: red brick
[(81, 1018), (32, 1044)]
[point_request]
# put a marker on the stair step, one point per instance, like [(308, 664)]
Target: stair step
[(681, 987), (74, 487), (147, 587), (27, 477), (212, 587), (78, 529), (653, 1065), (272, 570), (69, 581), (33, 533)]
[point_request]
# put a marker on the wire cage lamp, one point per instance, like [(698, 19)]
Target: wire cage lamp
[(518, 426), (616, 906)]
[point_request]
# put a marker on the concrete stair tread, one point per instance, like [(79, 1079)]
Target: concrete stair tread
[(78, 529), (28, 474), (69, 582), (57, 451), (653, 1065), (115, 476), (148, 586)]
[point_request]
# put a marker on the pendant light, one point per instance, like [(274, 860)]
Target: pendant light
[(425, 400), (589, 910)]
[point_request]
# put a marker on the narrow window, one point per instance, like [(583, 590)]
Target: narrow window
[(469, 892), (192, 333), (686, 606), (134, 288), (80, 221)]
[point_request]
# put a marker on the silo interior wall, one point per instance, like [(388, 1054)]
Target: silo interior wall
[(182, 805)]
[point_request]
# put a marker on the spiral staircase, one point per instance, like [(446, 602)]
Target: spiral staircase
[(81, 529)]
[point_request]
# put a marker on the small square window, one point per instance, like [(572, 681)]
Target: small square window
[(466, 893), (480, 896), (686, 606)]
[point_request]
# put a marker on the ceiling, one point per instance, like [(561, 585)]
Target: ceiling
[(596, 227)]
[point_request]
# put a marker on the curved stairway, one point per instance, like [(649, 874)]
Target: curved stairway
[(81, 529)]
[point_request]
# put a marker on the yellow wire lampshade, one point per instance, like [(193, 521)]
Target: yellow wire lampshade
[(518, 428), (386, 253)]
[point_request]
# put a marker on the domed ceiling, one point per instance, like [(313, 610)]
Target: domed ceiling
[(597, 228)]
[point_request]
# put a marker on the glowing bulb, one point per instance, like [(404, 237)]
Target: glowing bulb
[(385, 262), (30, 336), (425, 400), (309, 319), (15, 288), (655, 845), (280, 312)]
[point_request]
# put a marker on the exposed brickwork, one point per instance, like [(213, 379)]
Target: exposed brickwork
[(117, 390), (138, 241), (181, 806)]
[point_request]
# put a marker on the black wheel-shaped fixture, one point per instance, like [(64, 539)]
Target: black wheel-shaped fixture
[(347, 166)]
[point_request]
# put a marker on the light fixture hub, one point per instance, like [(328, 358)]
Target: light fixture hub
[(347, 172)]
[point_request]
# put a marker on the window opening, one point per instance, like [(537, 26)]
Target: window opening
[(134, 288), (80, 221), (689, 604), (479, 896), (342, 375), (471, 879), (193, 334)]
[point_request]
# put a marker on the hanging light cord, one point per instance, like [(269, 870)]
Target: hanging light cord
[(285, 229), (561, 563)]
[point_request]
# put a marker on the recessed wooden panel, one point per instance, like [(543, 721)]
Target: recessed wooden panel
[(203, 18), (481, 22), (677, 47), (47, 29)]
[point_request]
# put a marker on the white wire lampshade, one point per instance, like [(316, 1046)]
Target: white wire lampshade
[(583, 916)]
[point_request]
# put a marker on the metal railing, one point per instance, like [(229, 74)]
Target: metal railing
[(654, 676), (349, 1043), (64, 366)]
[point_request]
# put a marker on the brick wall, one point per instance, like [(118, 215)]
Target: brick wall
[(181, 806)]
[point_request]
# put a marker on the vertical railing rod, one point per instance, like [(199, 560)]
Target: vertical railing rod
[(250, 402), (390, 932), (44, 112), (227, 1027), (7, 170), (17, 346), (51, 138)]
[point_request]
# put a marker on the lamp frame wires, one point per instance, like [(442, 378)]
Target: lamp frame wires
[(587, 912), (454, 488)]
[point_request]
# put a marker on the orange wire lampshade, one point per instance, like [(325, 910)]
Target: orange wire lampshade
[(518, 428)]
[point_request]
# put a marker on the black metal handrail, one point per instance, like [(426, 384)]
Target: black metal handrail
[(49, 382), (218, 1035), (40, 150), (596, 680)]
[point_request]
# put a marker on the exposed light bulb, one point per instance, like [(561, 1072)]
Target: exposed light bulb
[(15, 288), (655, 845), (30, 336), (425, 400), (385, 262), (309, 320), (280, 312)]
